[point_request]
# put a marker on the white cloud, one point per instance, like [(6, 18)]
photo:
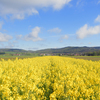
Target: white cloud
[(98, 1), (33, 36), (1, 23), (86, 31), (18, 9), (97, 19), (65, 37), (55, 30), (89, 43), (15, 41), (4, 37), (18, 36), (78, 2), (9, 45)]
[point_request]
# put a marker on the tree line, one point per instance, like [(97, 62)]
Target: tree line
[(95, 53), (2, 53)]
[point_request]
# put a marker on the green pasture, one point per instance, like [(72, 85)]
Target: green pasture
[(14, 57), (93, 58), (6, 57)]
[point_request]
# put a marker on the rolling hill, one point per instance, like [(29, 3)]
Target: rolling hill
[(69, 50), (64, 50)]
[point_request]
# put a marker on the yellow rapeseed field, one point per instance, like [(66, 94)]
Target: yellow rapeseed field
[(49, 78)]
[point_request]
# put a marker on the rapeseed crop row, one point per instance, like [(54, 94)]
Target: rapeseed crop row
[(49, 78)]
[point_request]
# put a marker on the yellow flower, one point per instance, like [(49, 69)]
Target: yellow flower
[(49, 77)]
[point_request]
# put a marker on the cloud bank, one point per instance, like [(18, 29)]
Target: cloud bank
[(18, 9), (86, 31)]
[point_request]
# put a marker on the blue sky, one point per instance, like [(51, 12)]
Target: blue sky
[(41, 24)]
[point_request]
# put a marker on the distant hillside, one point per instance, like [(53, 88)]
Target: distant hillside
[(64, 50), (69, 50), (12, 50)]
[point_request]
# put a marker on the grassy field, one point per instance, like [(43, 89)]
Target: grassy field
[(93, 58), (14, 57)]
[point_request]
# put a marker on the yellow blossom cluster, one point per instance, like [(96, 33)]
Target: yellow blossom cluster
[(49, 78)]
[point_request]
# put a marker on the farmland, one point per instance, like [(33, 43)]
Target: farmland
[(49, 78), (93, 58)]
